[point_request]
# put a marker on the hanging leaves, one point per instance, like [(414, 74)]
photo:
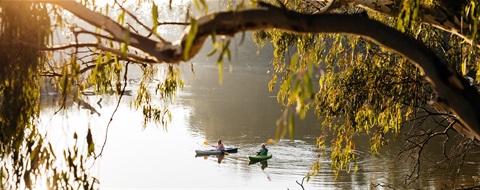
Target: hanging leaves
[(190, 38), (155, 19), (90, 143)]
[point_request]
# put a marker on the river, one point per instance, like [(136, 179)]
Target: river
[(242, 112)]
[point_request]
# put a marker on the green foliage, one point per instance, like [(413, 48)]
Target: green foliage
[(190, 38), (26, 157), (225, 51), (155, 19), (354, 86), (19, 138), (472, 14), (166, 90), (201, 5), (408, 15), (361, 87)]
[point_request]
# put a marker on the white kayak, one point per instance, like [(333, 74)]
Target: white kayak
[(215, 151)]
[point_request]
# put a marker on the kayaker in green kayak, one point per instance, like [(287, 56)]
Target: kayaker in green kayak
[(263, 151), (261, 155)]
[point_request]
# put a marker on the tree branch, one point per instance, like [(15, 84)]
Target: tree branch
[(445, 15), (119, 33), (62, 46), (457, 126), (123, 55), (453, 90), (141, 23)]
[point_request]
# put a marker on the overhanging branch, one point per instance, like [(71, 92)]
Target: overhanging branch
[(119, 33), (453, 90), (444, 14)]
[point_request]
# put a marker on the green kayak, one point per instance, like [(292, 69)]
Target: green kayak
[(259, 157)]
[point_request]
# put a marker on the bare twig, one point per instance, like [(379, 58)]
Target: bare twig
[(60, 47), (113, 114), (301, 184), (174, 23), (382, 185), (141, 23)]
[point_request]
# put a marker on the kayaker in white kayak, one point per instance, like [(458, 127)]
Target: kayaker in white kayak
[(219, 145), (263, 151)]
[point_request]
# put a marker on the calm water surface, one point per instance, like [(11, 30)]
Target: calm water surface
[(241, 112)]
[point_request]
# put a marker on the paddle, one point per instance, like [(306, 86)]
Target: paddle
[(269, 141), (206, 143)]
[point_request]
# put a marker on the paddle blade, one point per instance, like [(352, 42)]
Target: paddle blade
[(205, 143), (269, 141)]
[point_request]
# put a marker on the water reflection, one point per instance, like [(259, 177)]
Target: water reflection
[(155, 158), (219, 157), (263, 164), (243, 113)]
